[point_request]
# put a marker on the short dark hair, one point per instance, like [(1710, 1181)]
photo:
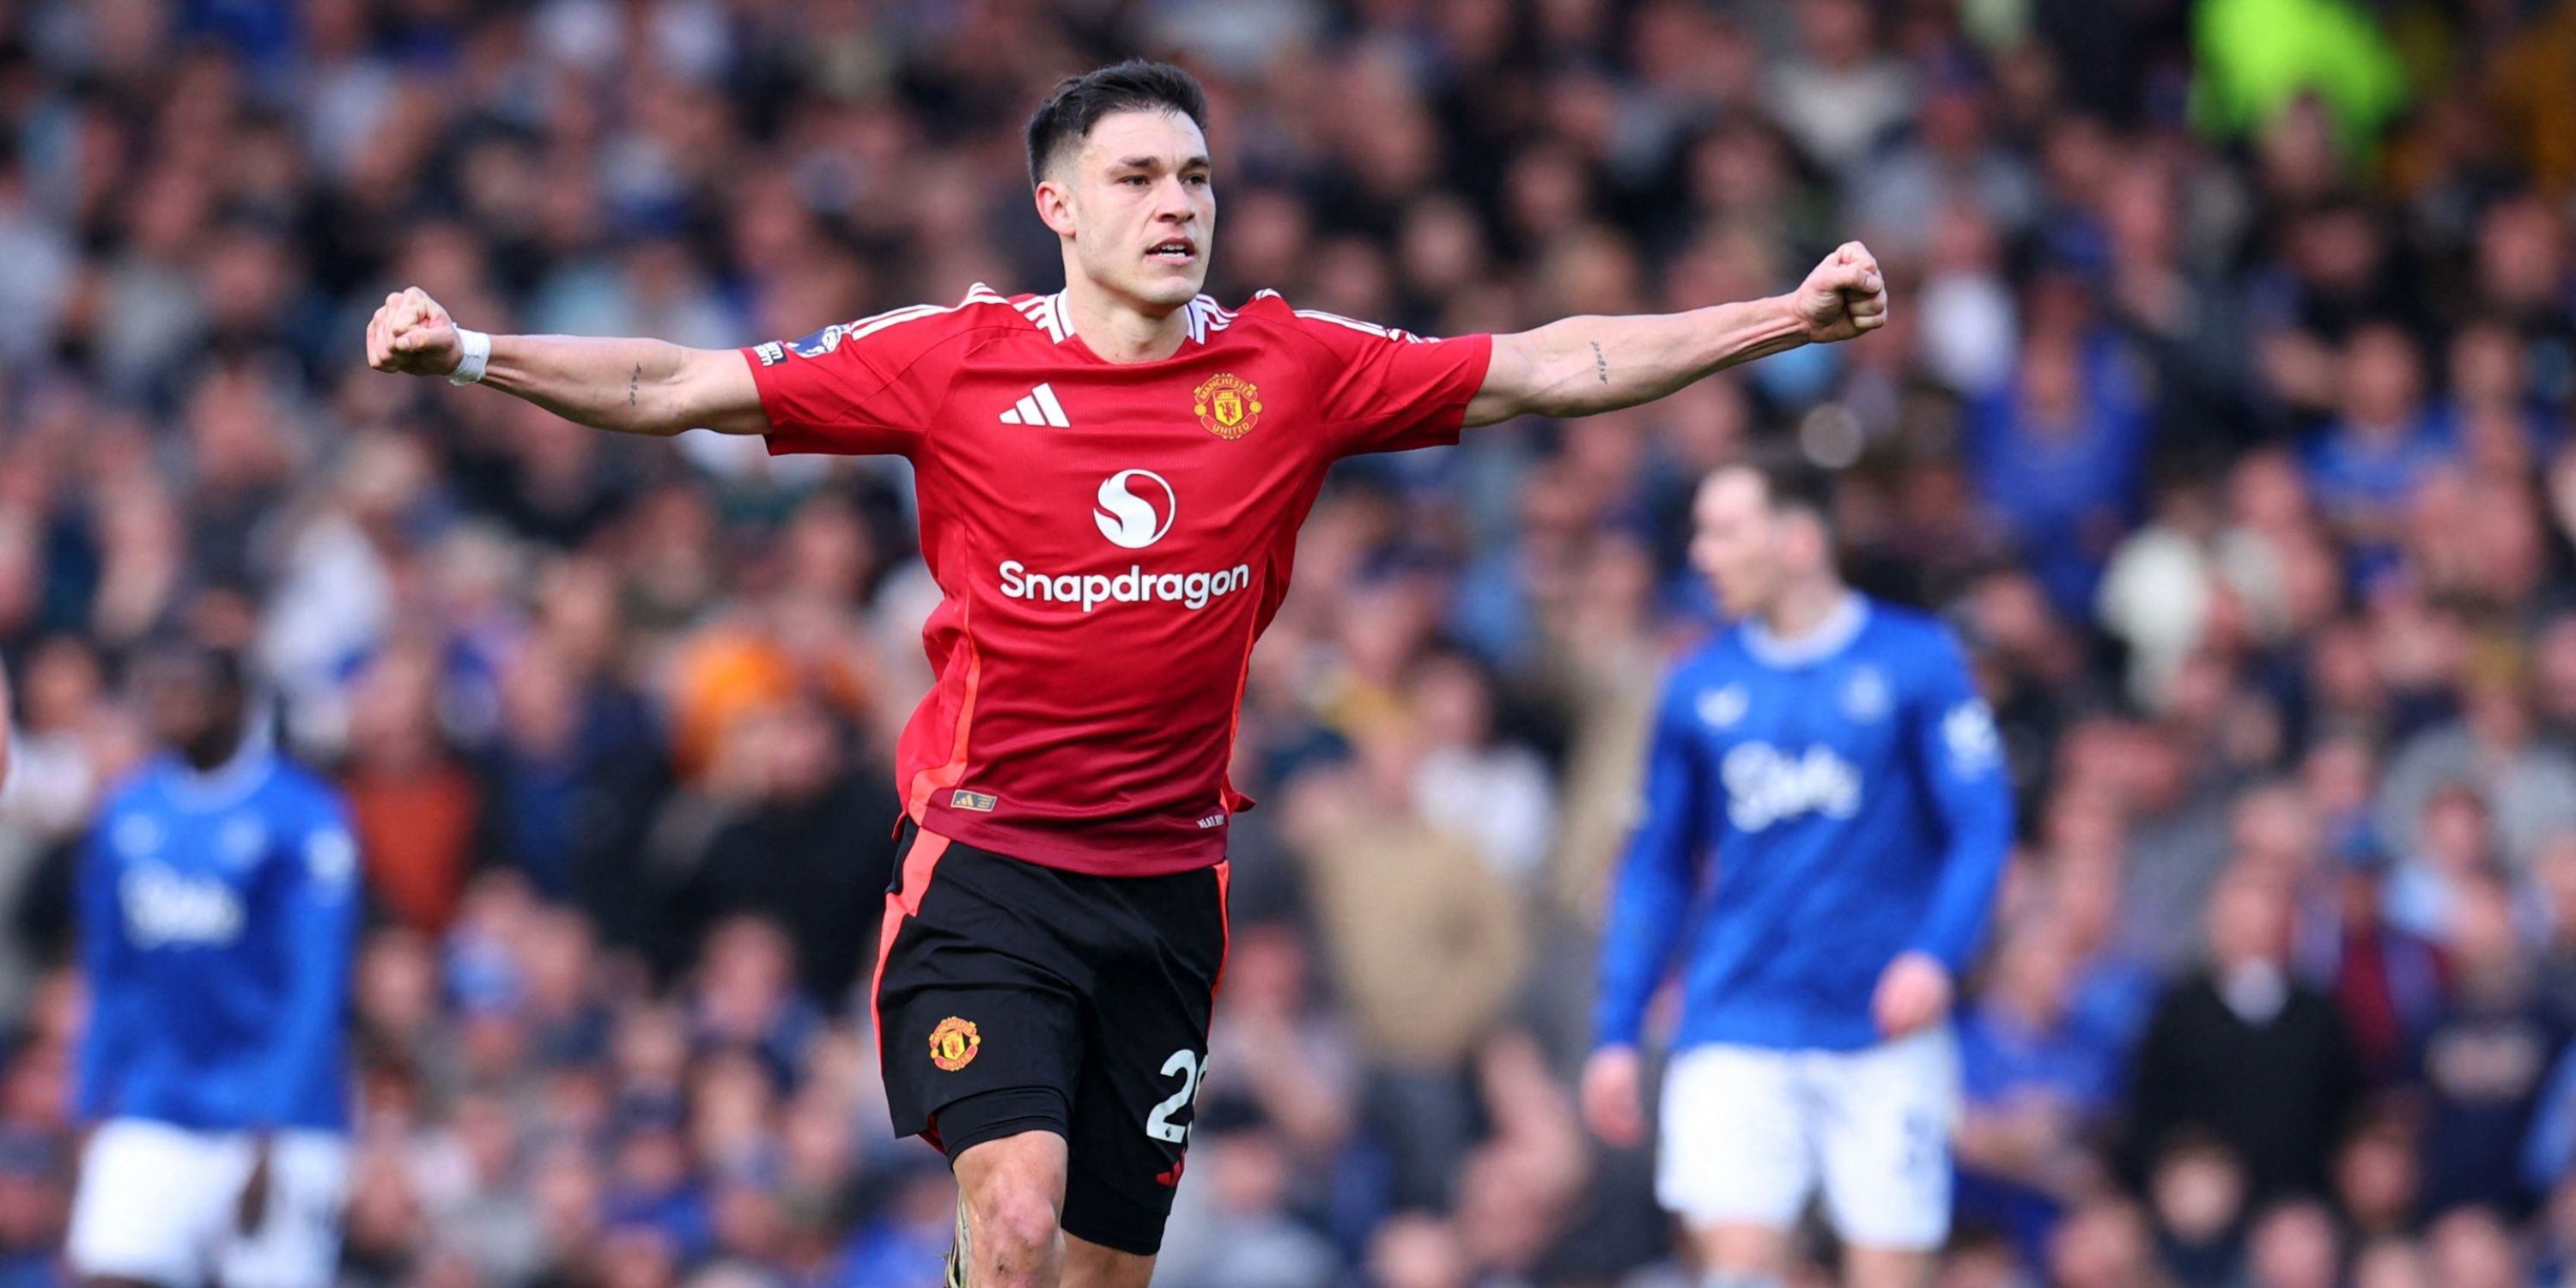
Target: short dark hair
[(1792, 482), (1065, 119), (219, 667)]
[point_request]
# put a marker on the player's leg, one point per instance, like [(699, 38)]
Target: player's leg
[(1092, 1265), (146, 1207), (980, 1040), (1865, 1267), (1887, 1115), (1741, 1256), (1145, 1039), (1736, 1161), (1010, 1195), (297, 1244), (1010, 1201)]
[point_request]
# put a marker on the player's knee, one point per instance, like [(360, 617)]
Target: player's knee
[(1013, 1189), (1743, 1256), (1012, 1232)]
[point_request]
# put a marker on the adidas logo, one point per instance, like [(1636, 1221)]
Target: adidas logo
[(1037, 407)]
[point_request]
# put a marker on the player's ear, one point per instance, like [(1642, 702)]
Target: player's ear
[(1806, 538), (1055, 206)]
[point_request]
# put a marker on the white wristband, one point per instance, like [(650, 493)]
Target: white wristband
[(478, 355)]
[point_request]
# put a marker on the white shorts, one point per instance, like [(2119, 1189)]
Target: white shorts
[(1748, 1133), (160, 1204)]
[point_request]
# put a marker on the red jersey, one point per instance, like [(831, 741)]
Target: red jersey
[(1108, 538)]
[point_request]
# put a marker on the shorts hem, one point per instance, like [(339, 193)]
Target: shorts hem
[(1885, 1243), (86, 1269), (1098, 1213), (1700, 1216), (998, 1114)]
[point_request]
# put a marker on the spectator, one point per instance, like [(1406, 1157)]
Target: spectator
[(2040, 1083), (1840, 95), (2379, 1176), (2388, 982), (1475, 784), (813, 853), (2392, 1263), (2528, 785), (1287, 1062), (744, 998), (2197, 1194), (415, 804), (2483, 1063), (566, 784), (2368, 463), (1246, 1233), (2104, 1244), (2547, 914), (2295, 1245), (2243, 1051), (2471, 1248), (1426, 964), (2058, 452), (2424, 895)]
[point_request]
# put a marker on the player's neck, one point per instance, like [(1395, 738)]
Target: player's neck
[(1117, 330), (1804, 607)]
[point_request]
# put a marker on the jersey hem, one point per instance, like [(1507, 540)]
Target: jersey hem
[(1770, 1033), (1142, 852)]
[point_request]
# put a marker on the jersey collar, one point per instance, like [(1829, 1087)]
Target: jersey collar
[(1202, 318), (1838, 630), (227, 784)]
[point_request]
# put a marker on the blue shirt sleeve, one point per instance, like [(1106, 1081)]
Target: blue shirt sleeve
[(106, 966), (1960, 757), (316, 889), (1651, 897)]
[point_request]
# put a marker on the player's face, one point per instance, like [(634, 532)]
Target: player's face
[(1736, 541), (188, 705), (1143, 207)]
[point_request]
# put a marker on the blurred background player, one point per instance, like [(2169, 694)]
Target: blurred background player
[(1830, 756), (218, 902)]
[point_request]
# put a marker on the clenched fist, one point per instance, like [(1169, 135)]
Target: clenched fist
[(1913, 992), (412, 334), (1844, 296), (1613, 1097)]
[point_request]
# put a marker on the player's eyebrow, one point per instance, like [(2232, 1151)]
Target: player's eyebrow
[(1148, 163)]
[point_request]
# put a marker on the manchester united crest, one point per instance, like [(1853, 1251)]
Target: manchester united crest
[(954, 1043), (1227, 405)]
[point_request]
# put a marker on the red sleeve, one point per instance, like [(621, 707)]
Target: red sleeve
[(1385, 390), (856, 388)]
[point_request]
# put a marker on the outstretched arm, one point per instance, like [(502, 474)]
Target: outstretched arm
[(1584, 365), (632, 386)]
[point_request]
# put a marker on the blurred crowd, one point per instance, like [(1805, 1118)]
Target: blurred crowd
[(2224, 410)]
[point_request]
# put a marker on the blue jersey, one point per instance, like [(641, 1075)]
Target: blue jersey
[(1814, 808), (217, 916)]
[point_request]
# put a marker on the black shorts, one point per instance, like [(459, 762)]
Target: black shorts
[(1014, 997)]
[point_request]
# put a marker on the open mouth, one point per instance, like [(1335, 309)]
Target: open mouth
[(1177, 250)]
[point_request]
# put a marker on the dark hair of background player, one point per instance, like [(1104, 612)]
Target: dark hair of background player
[(1065, 119), (1791, 482)]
